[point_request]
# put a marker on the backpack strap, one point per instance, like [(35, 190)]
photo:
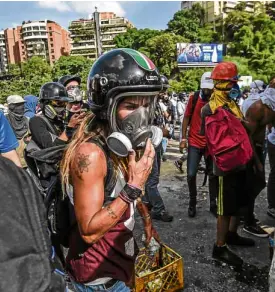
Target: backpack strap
[(194, 102), (49, 124)]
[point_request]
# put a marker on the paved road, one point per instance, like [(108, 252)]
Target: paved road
[(193, 238)]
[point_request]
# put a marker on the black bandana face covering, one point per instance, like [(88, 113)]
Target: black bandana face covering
[(17, 108)]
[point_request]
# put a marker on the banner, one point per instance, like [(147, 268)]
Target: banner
[(199, 54)]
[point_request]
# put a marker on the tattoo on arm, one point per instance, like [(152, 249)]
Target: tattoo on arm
[(111, 212), (82, 164)]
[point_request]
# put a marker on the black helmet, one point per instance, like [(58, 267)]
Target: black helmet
[(165, 83), (64, 80), (54, 91), (117, 73)]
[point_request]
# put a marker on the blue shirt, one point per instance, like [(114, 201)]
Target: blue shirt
[(8, 140)]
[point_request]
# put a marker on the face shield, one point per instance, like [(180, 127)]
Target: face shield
[(131, 117)]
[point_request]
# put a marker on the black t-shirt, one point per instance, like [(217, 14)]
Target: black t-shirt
[(42, 135)]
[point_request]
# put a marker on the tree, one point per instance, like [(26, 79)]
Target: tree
[(161, 50), (187, 22), (135, 38), (72, 65)]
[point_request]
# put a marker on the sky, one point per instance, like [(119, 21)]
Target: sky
[(143, 14)]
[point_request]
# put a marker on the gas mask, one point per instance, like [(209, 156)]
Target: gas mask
[(74, 92), (54, 112), (133, 131), (235, 92)]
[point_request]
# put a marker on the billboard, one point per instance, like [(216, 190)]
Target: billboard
[(199, 55)]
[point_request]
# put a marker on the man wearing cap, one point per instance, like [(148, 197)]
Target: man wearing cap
[(19, 123), (15, 116), (197, 144)]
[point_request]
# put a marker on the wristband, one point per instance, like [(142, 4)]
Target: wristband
[(130, 193), (69, 131), (146, 217)]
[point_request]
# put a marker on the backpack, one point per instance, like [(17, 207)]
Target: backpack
[(227, 140), (27, 261)]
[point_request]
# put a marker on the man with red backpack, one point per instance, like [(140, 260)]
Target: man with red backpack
[(230, 148), (196, 145)]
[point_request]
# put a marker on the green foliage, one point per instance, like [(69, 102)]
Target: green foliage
[(187, 80), (161, 50), (72, 65), (28, 77), (135, 38)]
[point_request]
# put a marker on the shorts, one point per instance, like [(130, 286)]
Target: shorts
[(232, 194)]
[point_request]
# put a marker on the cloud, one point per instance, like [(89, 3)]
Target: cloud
[(58, 5), (83, 7)]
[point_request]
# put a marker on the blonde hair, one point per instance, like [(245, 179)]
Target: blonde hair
[(89, 128)]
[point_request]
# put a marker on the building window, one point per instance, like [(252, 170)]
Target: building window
[(52, 45), (53, 57), (51, 33), (51, 39), (50, 28), (52, 50)]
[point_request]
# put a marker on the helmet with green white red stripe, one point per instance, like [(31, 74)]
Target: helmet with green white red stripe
[(120, 72)]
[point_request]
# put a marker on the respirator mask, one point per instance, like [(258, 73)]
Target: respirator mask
[(55, 110), (235, 92), (133, 131), (74, 93)]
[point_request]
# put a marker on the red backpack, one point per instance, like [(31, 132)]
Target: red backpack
[(227, 140)]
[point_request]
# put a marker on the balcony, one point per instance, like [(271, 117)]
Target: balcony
[(82, 47), (38, 36)]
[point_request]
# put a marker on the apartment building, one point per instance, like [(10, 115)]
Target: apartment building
[(44, 38), (3, 54), (217, 9), (82, 33)]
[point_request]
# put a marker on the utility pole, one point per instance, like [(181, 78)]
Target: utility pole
[(97, 33)]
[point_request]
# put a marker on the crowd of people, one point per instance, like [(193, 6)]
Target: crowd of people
[(89, 164)]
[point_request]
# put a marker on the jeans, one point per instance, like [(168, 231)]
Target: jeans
[(164, 143), (117, 287), (152, 195), (193, 160), (271, 179)]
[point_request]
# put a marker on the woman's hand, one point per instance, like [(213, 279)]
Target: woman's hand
[(150, 232), (140, 170)]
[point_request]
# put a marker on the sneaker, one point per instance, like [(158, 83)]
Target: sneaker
[(164, 158), (192, 211), (233, 238), (271, 212), (213, 210), (255, 230), (163, 216), (178, 165), (224, 254)]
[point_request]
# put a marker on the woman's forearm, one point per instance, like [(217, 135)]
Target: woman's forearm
[(104, 220)]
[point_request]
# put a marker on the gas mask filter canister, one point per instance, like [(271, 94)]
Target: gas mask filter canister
[(120, 144)]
